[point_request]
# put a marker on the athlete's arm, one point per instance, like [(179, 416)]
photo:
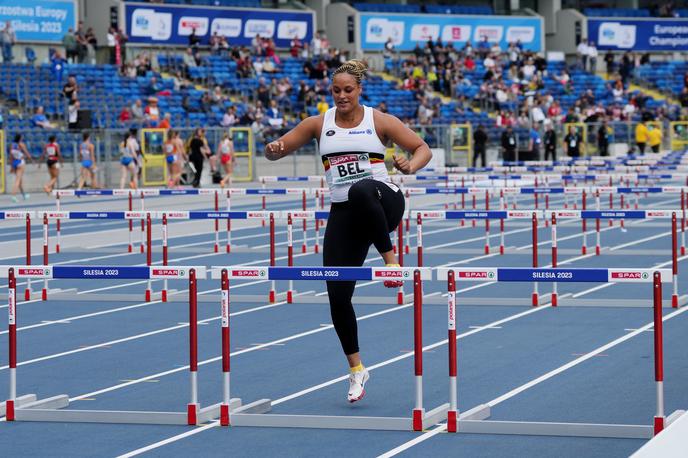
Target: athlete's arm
[(392, 128), (23, 147), (304, 132)]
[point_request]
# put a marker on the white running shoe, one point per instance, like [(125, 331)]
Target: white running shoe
[(357, 381)]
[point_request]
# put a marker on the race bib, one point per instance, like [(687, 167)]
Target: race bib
[(350, 168)]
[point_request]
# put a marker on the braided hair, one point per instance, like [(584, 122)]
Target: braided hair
[(354, 67)]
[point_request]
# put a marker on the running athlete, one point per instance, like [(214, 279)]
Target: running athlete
[(366, 206), (88, 162), (172, 153), (18, 152), (226, 159), (129, 150), (51, 151)]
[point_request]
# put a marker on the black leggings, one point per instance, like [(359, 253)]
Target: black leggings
[(197, 162), (371, 213)]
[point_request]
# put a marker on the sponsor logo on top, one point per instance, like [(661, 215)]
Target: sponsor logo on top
[(520, 33), (286, 30), (257, 214), (40, 271), (476, 274), (626, 275), (432, 214), (168, 272), (379, 30), (616, 34), (11, 215), (392, 274), (424, 32), (226, 27), (177, 214), (187, 24), (520, 214), (456, 33), (493, 33), (250, 273), (657, 213), (146, 22)]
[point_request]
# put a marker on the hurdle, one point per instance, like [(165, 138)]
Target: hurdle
[(27, 216), (257, 413), (55, 408), (655, 277)]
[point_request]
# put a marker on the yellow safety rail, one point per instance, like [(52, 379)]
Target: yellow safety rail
[(154, 172), (461, 141), (678, 135), (3, 188), (582, 130), (244, 147)]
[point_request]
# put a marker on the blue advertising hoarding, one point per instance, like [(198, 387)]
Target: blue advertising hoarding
[(169, 24), (406, 30), (38, 20), (639, 35)]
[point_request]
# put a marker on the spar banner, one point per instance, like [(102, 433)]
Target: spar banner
[(639, 35), (406, 30), (172, 24), (42, 21)]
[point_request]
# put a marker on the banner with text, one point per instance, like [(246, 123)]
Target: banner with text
[(639, 35), (406, 30), (169, 24), (38, 20)]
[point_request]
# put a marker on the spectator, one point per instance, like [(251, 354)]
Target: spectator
[(189, 61), (316, 45), (198, 152), (609, 61), (654, 138), (124, 115), (425, 113), (550, 142), (479, 146), (389, 48), (153, 86), (73, 115), (70, 90), (166, 122), (269, 66), (534, 142), (295, 46), (603, 139), (508, 142), (275, 117), (112, 44), (683, 98), (194, 40), (483, 48), (229, 119), (217, 96), (592, 57), (91, 45), (8, 38), (57, 64), (257, 45), (305, 51), (206, 102), (582, 51), (258, 67), (39, 119), (137, 112), (70, 45), (263, 92), (572, 143), (152, 112), (323, 106)]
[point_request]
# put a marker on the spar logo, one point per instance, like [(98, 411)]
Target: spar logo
[(256, 215), (656, 214), (249, 273), (630, 275), (40, 271), (169, 272), (476, 274), (9, 215), (392, 274), (567, 214), (432, 214), (177, 215), (301, 215)]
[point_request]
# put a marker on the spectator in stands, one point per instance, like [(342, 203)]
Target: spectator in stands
[(206, 102), (189, 61), (111, 44), (39, 119), (550, 142), (626, 68), (249, 116), (572, 143), (215, 42), (508, 142), (70, 45), (483, 48), (271, 51), (382, 107), (275, 119), (137, 112), (269, 66), (316, 45), (305, 51), (53, 157), (603, 138), (229, 119), (166, 122), (124, 116), (295, 46), (130, 70), (582, 52), (245, 67), (73, 115), (18, 153), (70, 90), (654, 137), (153, 86), (152, 112), (683, 98), (479, 146), (592, 57), (194, 40), (389, 48), (217, 97), (425, 112), (8, 37), (322, 106), (57, 64), (91, 45), (257, 45), (610, 64), (263, 92)]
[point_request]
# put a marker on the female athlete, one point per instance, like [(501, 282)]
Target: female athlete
[(18, 153), (88, 162), (366, 206), (226, 159), (51, 151)]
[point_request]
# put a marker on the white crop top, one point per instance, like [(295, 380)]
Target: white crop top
[(351, 155)]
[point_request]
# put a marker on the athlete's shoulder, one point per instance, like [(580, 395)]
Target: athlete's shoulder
[(314, 124), (383, 120)]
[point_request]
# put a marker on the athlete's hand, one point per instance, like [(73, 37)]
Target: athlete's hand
[(274, 150), (402, 164)]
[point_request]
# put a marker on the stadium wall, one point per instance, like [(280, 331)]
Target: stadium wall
[(343, 27)]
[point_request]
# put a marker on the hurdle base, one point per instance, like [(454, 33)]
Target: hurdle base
[(19, 402), (543, 299), (555, 429), (631, 303), (256, 414), (53, 410)]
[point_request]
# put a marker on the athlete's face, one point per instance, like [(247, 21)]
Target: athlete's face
[(345, 92)]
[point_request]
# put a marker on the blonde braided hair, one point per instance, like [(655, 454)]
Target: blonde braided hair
[(354, 67)]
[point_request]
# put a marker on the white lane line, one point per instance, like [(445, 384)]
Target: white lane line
[(327, 383), (413, 442)]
